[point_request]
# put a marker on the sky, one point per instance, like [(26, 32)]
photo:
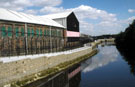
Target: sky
[(96, 17)]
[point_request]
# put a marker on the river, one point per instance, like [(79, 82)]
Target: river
[(107, 69)]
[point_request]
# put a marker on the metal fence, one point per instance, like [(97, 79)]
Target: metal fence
[(34, 45)]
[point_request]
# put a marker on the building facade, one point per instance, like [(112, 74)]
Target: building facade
[(22, 37), (68, 20), (24, 34)]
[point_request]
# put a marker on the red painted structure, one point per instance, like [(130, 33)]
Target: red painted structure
[(73, 73), (73, 34)]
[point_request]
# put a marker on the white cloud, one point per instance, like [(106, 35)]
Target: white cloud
[(129, 20), (31, 11), (21, 5), (108, 24), (18, 5), (42, 3), (131, 10), (50, 9), (107, 28), (84, 13), (86, 27)]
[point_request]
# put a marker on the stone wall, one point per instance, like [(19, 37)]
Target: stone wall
[(14, 71)]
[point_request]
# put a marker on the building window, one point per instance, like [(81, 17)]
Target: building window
[(17, 31), (45, 32), (22, 31), (48, 33), (56, 32), (41, 33), (51, 32), (3, 30), (59, 33), (9, 31), (37, 32), (32, 31), (28, 32)]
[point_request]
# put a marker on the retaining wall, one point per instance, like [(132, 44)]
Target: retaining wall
[(17, 70)]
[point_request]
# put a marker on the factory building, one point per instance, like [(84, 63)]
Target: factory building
[(70, 22), (22, 33), (25, 34)]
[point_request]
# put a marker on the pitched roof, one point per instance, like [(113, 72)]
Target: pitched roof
[(10, 15), (57, 15)]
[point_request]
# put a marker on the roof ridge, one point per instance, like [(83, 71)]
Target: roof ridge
[(10, 15), (58, 15)]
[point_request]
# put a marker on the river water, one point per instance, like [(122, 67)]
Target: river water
[(107, 69)]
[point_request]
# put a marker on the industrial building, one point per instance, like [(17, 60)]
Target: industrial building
[(70, 22), (23, 34)]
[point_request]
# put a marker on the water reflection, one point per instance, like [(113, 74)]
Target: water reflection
[(108, 69), (75, 81), (104, 57), (67, 78), (129, 56)]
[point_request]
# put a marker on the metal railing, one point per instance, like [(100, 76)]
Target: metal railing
[(34, 45)]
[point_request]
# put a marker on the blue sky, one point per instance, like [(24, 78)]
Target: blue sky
[(119, 7), (96, 17)]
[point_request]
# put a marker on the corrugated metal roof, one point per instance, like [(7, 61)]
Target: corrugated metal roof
[(10, 15), (57, 15)]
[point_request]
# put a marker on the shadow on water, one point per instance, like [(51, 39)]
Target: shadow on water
[(129, 57)]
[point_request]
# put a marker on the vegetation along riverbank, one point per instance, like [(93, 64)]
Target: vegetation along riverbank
[(126, 40)]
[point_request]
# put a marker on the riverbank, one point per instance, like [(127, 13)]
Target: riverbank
[(22, 72)]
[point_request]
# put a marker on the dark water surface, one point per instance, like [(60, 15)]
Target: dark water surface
[(107, 69)]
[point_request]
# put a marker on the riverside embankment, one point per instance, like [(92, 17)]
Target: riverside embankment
[(17, 73)]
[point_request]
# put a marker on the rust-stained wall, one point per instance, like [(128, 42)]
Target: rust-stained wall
[(18, 43)]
